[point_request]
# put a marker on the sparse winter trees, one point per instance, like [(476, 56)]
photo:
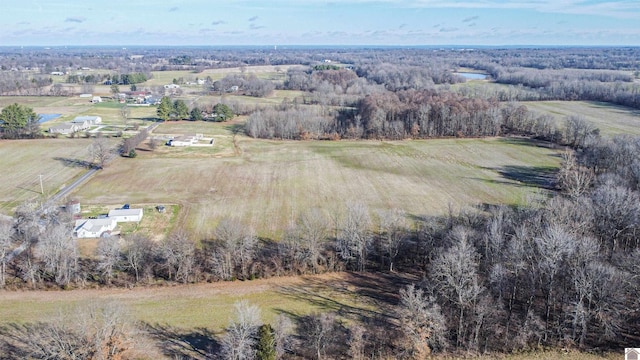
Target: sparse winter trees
[(6, 245), (101, 152), (239, 341), (138, 252), (392, 234), (178, 252), (455, 275), (108, 255), (421, 322), (354, 238), (59, 253), (234, 248)]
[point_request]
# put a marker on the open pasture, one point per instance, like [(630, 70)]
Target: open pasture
[(267, 183), (208, 306), (23, 161), (609, 118)]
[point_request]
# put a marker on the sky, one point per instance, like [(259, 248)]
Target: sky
[(315, 22)]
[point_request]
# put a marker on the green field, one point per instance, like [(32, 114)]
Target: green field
[(610, 119), (266, 183)]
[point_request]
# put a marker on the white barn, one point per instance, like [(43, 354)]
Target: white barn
[(126, 215), (89, 120), (93, 228)]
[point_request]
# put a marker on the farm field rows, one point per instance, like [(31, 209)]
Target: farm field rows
[(267, 183)]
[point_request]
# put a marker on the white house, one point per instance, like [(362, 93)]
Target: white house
[(126, 215), (66, 128), (172, 86), (96, 99), (87, 120), (93, 228)]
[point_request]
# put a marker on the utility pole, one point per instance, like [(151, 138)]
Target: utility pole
[(41, 187)]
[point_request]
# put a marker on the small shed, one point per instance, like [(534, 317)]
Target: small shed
[(96, 99), (126, 215)]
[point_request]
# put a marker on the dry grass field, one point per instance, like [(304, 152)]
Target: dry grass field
[(22, 161), (267, 183), (610, 119)]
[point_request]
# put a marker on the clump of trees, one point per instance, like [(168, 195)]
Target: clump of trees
[(19, 121)]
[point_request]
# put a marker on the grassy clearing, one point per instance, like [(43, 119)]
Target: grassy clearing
[(266, 183), (610, 119), (24, 160), (208, 306)]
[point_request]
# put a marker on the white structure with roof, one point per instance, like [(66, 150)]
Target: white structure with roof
[(126, 215), (89, 120), (66, 128), (93, 228)]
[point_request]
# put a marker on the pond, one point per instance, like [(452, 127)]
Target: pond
[(47, 117), (471, 76)]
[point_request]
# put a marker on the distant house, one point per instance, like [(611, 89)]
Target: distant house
[(93, 228), (66, 128), (172, 86), (185, 140), (87, 120), (96, 99), (126, 215), (632, 354), (57, 73), (86, 95)]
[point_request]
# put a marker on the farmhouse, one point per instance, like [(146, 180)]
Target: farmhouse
[(96, 99), (66, 128), (89, 120), (126, 215), (93, 228)]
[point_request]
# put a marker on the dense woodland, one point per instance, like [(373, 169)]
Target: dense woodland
[(560, 273)]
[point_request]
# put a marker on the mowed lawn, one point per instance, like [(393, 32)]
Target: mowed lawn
[(23, 161), (609, 118), (268, 183)]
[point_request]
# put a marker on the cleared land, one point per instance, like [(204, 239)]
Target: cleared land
[(59, 161), (267, 183), (610, 119), (208, 306)]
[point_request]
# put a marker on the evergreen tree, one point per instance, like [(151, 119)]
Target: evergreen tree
[(196, 114), (165, 108), (18, 120), (266, 346), (181, 110), (223, 112)]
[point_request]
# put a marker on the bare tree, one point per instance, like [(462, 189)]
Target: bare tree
[(178, 252), (6, 245), (283, 330), (98, 332), (354, 238), (455, 274), (357, 342), (393, 233), (421, 322), (573, 179), (125, 114), (321, 332), (235, 246), (239, 341), (312, 228), (100, 151), (58, 250), (138, 251), (108, 254)]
